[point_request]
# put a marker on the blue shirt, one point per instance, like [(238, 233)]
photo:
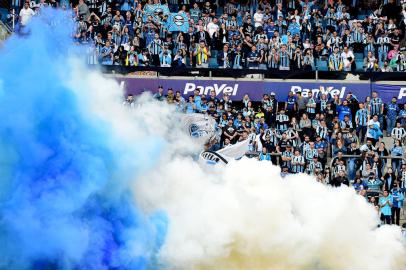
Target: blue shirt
[(320, 145), (397, 198), (252, 56), (269, 30), (362, 116), (189, 108), (290, 103), (294, 28), (392, 111), (343, 111), (375, 185), (263, 156), (386, 210), (198, 102)]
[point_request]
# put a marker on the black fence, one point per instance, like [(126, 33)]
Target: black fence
[(268, 74)]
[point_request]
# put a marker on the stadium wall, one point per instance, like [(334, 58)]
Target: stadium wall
[(237, 88)]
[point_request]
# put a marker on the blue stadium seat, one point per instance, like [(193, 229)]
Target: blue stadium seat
[(359, 56), (213, 63), (322, 65), (362, 16), (359, 64), (3, 14)]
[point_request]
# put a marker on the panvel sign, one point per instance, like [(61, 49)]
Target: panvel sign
[(388, 91), (254, 88)]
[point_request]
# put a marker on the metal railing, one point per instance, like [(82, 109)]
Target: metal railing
[(5, 31)]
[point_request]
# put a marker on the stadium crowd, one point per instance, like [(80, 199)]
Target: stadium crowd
[(284, 35), (313, 135)]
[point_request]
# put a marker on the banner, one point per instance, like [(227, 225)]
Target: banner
[(154, 10), (388, 91), (254, 88), (178, 22)]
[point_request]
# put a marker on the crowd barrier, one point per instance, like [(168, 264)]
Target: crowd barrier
[(256, 88)]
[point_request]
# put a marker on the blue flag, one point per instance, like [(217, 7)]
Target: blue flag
[(154, 10), (178, 22)]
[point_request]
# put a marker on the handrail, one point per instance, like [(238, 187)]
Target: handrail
[(7, 27), (5, 31)]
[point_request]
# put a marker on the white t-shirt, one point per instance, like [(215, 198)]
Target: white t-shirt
[(212, 28), (345, 57), (258, 19), (25, 15)]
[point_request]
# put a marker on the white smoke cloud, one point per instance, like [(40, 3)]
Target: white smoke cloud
[(247, 217), (243, 215)]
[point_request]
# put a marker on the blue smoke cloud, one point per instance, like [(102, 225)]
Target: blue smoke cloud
[(57, 172)]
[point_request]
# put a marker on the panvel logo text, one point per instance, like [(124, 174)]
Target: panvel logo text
[(324, 90), (205, 90), (402, 93)]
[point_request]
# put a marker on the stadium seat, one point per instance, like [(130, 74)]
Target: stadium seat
[(359, 56), (322, 65), (213, 63), (360, 64), (3, 14), (361, 16)]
